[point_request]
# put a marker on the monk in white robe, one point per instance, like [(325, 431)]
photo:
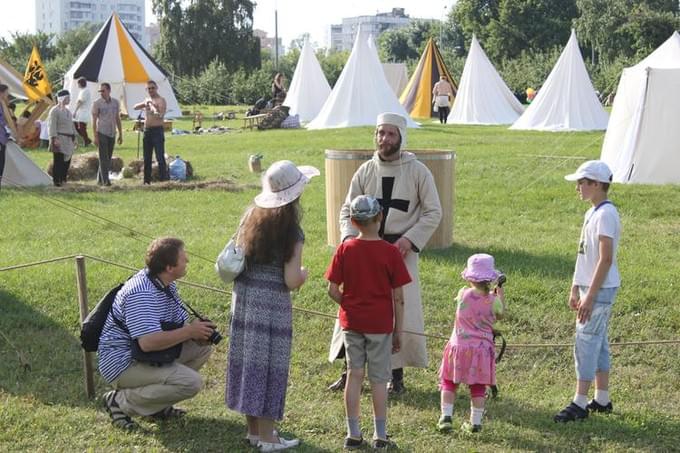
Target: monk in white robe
[(412, 211)]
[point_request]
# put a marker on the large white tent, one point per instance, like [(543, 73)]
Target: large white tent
[(309, 88), (10, 77), (396, 75), (361, 92), (115, 56), (483, 97), (567, 99), (642, 143), (20, 171)]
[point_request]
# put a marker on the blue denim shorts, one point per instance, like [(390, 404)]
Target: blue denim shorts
[(591, 347)]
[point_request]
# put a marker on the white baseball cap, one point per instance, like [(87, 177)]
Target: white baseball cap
[(595, 170)]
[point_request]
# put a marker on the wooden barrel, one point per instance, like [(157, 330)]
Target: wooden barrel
[(342, 164)]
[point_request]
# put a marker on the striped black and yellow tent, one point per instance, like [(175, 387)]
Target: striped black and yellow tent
[(417, 96), (115, 56)]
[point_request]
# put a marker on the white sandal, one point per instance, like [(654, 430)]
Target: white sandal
[(282, 444), (254, 439)]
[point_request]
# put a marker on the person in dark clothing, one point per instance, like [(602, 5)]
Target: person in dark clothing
[(278, 90), (4, 135)]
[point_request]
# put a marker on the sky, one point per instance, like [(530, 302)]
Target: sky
[(295, 17)]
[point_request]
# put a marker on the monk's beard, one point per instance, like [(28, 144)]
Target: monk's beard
[(388, 150)]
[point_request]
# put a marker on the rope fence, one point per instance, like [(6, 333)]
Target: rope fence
[(84, 310)]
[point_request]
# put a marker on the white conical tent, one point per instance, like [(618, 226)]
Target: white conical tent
[(396, 75), (20, 171), (567, 100), (361, 92), (642, 143), (483, 97), (309, 88), (10, 77), (114, 56)]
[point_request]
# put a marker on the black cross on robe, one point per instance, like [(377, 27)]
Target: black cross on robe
[(388, 202)]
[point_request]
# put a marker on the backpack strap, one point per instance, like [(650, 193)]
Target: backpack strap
[(119, 322)]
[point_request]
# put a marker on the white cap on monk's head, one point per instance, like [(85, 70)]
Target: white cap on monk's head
[(396, 120)]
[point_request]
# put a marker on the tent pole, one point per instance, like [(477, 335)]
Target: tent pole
[(276, 39)]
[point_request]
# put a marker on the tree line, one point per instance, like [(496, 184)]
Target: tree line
[(209, 48)]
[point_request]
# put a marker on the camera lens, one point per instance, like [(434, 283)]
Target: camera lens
[(501, 279), (215, 338)]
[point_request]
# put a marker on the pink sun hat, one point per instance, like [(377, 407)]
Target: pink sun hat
[(480, 268), (283, 183)]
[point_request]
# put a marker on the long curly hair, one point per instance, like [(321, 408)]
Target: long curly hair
[(270, 234)]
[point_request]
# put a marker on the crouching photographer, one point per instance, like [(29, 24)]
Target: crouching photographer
[(149, 351)]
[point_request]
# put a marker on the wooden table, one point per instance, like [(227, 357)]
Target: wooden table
[(252, 121)]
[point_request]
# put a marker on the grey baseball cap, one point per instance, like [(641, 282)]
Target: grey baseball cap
[(364, 207)]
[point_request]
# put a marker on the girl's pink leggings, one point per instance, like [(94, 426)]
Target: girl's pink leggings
[(476, 390)]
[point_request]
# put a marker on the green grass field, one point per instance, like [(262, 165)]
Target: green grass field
[(511, 201)]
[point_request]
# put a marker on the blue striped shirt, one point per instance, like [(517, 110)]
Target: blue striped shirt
[(141, 307)]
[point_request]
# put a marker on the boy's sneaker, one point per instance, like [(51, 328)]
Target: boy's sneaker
[(382, 444), (469, 428), (571, 413), (594, 406), (444, 424), (352, 443)]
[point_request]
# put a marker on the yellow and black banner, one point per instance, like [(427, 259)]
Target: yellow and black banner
[(36, 84)]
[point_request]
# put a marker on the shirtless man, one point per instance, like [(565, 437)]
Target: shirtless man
[(154, 108)]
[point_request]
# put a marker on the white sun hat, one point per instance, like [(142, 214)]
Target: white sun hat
[(283, 183)]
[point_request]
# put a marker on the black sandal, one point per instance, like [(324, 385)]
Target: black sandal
[(168, 413), (571, 413), (119, 419)]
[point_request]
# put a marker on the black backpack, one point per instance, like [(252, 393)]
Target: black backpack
[(93, 324)]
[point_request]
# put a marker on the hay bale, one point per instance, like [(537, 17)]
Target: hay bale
[(83, 166), (88, 161), (117, 164), (86, 166), (136, 166), (80, 170)]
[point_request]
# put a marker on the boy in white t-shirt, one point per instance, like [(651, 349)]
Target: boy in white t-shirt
[(596, 280)]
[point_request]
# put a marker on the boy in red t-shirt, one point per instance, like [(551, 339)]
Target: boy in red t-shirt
[(371, 272)]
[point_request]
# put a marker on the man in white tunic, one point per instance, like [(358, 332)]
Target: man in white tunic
[(412, 211), (81, 111)]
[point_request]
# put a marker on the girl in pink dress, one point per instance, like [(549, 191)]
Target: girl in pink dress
[(469, 355)]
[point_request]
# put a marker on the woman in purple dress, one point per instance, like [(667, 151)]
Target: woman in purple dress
[(261, 324)]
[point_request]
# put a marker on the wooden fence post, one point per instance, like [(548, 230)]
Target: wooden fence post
[(84, 310)]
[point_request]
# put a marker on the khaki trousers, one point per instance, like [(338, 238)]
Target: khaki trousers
[(145, 389)]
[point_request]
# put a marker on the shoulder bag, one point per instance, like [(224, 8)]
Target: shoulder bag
[(231, 261)]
